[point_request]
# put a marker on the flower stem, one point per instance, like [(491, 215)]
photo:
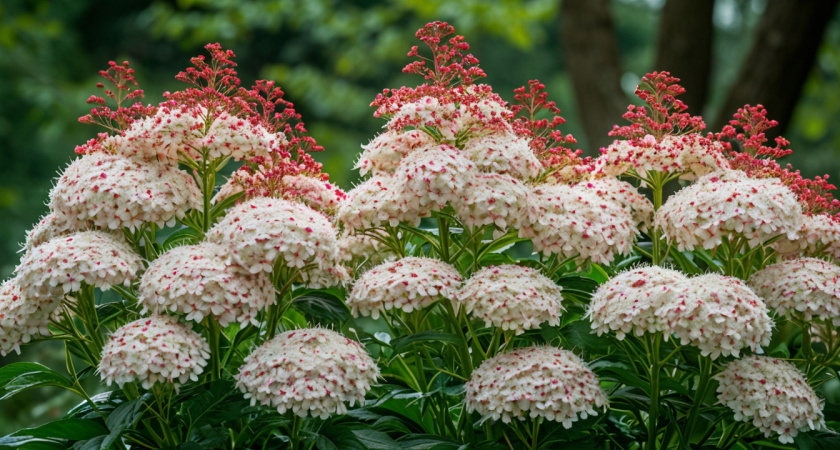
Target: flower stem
[(653, 412), (705, 376)]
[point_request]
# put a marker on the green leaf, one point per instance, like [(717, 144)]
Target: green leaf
[(322, 307), (402, 343), (122, 418), (70, 429), (428, 442), (184, 236), (37, 376), (375, 440), (30, 443), (13, 370)]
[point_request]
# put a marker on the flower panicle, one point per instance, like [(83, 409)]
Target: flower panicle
[(662, 114), (451, 65), (748, 127), (123, 89)]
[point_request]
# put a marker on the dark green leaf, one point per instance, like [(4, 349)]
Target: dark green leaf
[(402, 343), (184, 236), (30, 443), (70, 429), (428, 442), (122, 418), (322, 308), (41, 376)]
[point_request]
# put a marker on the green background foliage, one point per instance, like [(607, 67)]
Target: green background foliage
[(331, 57)]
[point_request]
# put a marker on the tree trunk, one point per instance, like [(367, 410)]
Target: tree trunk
[(591, 55), (782, 55), (684, 48)]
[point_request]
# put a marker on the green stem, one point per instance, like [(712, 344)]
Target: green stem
[(213, 332), (653, 412), (295, 433), (705, 377), (443, 234)]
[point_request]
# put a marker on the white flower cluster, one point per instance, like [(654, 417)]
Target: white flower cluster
[(805, 287), (311, 371), (729, 203), (112, 192), (22, 318), (384, 153), (428, 112), (819, 234), (433, 177), (574, 221), (630, 301), (503, 152), (538, 381), (316, 193), (493, 199), (692, 155), (194, 280), (258, 232), (375, 202), (772, 394), (511, 297), (409, 284), (155, 349), (47, 228), (626, 195), (719, 315), (62, 264), (173, 132)]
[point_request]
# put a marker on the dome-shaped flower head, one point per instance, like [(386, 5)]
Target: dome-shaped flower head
[(312, 371), (409, 284), (21, 318), (434, 177), (626, 195), (376, 202), (629, 301), (576, 222), (482, 110), (503, 152), (316, 193), (384, 153), (719, 315), (493, 199), (428, 112), (238, 137), (194, 280), (258, 232), (156, 349), (692, 155), (112, 192), (772, 394), (511, 297), (61, 265), (726, 204), (805, 287), (47, 228), (538, 381), (172, 131), (819, 234)]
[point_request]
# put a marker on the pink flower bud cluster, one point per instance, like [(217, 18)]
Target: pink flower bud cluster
[(536, 382), (312, 371)]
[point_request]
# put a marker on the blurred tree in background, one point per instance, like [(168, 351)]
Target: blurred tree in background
[(332, 57)]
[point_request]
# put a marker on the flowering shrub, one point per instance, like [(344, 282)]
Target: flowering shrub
[(484, 286)]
